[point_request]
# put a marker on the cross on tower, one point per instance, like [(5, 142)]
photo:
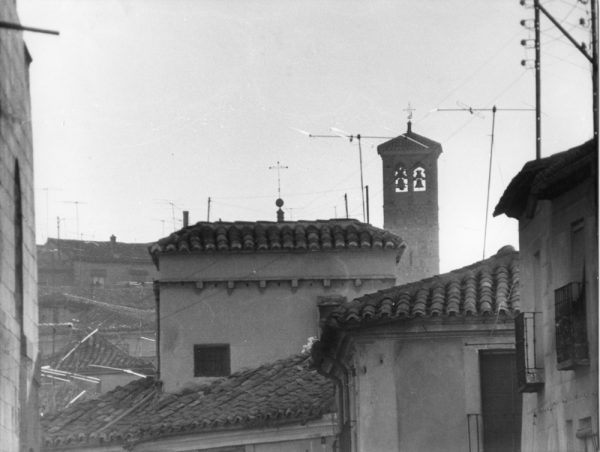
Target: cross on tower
[(410, 111), (278, 167)]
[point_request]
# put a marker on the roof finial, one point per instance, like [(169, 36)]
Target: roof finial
[(279, 203), (410, 115)]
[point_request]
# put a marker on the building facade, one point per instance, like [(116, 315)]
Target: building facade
[(430, 365), (555, 201), (236, 295), (19, 382), (410, 201), (86, 263)]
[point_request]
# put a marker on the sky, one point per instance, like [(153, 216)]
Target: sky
[(142, 109)]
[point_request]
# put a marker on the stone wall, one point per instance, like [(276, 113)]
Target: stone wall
[(19, 426)]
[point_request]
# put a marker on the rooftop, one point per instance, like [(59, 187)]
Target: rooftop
[(92, 251), (284, 392), (98, 309), (261, 236), (547, 178), (485, 288), (84, 357)]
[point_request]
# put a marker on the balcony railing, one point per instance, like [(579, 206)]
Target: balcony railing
[(529, 376), (571, 331)]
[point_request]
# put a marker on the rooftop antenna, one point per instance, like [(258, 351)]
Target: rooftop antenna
[(474, 111), (278, 167), (76, 203), (337, 133), (173, 205)]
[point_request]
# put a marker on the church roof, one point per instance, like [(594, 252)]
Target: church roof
[(486, 288), (284, 392), (410, 142), (261, 236), (547, 178)]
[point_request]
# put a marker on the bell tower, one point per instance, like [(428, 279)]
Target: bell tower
[(410, 201)]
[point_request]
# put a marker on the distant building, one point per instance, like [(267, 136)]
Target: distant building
[(555, 200), (410, 201), (124, 315), (430, 365), (85, 263), (19, 376), (282, 406), (236, 295), (89, 355)]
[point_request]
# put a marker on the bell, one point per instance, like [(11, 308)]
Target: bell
[(401, 184), (419, 183)]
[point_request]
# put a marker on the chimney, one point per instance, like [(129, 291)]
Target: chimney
[(279, 203), (113, 241), (186, 218)]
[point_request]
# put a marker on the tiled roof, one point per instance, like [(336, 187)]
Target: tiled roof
[(318, 235), (283, 392), (547, 178), (94, 251), (96, 350), (485, 288), (90, 313)]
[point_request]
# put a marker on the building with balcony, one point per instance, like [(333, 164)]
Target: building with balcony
[(555, 200)]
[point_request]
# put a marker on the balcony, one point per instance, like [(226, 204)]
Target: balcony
[(571, 331), (529, 376)]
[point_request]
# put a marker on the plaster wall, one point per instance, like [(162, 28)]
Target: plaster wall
[(19, 428), (265, 306), (260, 325), (116, 272), (568, 400), (414, 392)]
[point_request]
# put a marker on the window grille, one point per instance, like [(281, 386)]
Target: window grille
[(529, 376), (571, 331)]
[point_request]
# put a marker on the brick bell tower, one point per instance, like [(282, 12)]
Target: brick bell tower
[(410, 201)]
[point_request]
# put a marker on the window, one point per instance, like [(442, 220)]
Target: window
[(401, 180), (138, 275), (18, 227), (98, 276), (211, 360), (419, 179), (571, 331), (529, 376)]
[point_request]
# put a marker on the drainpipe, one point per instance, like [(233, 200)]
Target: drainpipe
[(156, 287)]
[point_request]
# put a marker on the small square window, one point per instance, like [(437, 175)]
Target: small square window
[(211, 360)]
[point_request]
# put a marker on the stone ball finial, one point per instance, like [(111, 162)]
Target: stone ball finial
[(279, 202)]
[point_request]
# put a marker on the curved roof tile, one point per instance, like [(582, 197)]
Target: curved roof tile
[(274, 236), (285, 391), (486, 288)]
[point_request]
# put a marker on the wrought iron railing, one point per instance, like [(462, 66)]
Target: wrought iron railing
[(571, 331), (529, 376)]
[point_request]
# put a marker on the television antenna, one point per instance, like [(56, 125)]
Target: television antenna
[(475, 111), (76, 203), (337, 133)]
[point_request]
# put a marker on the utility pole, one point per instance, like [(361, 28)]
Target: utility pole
[(346, 203), (593, 59), (208, 211)]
